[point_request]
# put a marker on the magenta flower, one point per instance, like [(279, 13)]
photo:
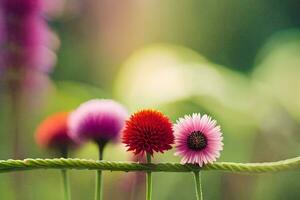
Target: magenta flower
[(198, 139), (25, 36), (97, 120), (101, 121)]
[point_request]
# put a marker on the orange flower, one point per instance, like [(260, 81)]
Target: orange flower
[(53, 132)]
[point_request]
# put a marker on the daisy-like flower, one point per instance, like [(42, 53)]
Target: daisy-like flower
[(52, 133), (198, 139), (99, 120), (148, 131)]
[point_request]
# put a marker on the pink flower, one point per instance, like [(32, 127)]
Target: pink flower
[(198, 139), (25, 36), (100, 120), (132, 183)]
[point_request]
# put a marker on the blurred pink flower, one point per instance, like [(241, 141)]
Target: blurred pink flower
[(132, 183), (25, 36), (198, 140), (100, 120)]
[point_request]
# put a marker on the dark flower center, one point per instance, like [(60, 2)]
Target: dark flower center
[(196, 141)]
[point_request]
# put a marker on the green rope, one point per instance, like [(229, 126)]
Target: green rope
[(82, 164)]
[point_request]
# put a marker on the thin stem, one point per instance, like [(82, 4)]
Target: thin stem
[(149, 180), (65, 179), (15, 126), (198, 186), (98, 193), (14, 90), (98, 189)]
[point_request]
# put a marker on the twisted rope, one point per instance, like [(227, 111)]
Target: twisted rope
[(84, 164)]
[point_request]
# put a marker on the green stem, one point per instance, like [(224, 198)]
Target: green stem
[(98, 189), (84, 164), (16, 122), (65, 177), (149, 180), (198, 186), (98, 194), (66, 184)]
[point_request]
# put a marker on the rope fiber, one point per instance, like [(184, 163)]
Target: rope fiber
[(84, 164)]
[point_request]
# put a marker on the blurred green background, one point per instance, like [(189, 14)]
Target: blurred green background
[(238, 61)]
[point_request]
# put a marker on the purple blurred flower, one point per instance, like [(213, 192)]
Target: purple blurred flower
[(25, 36), (97, 120), (132, 183)]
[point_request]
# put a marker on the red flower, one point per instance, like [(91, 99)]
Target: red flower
[(53, 132), (148, 131)]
